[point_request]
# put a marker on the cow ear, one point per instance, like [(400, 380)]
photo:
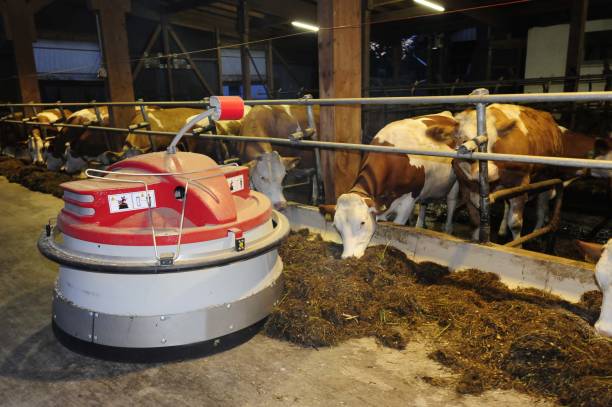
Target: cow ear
[(441, 132), (290, 162), (505, 126), (328, 211), (373, 207), (591, 251)]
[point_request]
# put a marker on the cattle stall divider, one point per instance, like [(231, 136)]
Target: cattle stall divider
[(478, 98)]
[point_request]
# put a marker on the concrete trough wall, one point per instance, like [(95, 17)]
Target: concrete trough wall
[(566, 278)]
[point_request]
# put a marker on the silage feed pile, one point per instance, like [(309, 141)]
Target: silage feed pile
[(35, 178), (492, 336)]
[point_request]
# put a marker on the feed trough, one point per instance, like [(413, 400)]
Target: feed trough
[(162, 255)]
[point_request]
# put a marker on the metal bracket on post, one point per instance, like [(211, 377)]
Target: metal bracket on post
[(317, 187), (483, 168)]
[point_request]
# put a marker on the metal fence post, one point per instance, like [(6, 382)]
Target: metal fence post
[(483, 169)]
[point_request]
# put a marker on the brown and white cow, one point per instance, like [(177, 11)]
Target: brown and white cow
[(578, 145), (511, 129), (75, 145), (268, 166), (602, 254), (36, 141), (394, 183), (575, 145)]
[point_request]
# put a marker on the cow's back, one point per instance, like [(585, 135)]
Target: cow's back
[(390, 176), (535, 131)]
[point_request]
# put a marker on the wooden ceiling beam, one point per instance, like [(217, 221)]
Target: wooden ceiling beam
[(183, 5), (288, 10), (148, 11)]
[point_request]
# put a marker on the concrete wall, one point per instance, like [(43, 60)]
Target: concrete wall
[(547, 54)]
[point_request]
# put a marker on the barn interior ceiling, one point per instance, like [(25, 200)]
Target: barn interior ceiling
[(269, 18)]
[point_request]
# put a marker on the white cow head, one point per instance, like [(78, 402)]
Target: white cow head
[(74, 164), (355, 220), (603, 274), (267, 173), (36, 148), (602, 254)]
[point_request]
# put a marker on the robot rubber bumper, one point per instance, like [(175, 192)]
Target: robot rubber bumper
[(166, 250)]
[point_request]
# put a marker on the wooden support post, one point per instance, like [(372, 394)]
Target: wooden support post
[(116, 56), (19, 24), (340, 76), (243, 17), (219, 62), (365, 62), (166, 46), (270, 69), (575, 46)]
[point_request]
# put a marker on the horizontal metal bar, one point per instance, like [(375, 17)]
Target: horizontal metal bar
[(396, 100), (461, 99), (512, 192), (556, 161), (202, 102)]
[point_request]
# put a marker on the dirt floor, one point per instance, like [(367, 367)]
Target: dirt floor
[(492, 336), (35, 370)]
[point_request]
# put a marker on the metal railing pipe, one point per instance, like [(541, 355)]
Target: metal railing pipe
[(458, 99), (396, 100)]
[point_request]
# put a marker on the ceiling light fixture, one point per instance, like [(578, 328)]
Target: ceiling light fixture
[(430, 4), (305, 26)]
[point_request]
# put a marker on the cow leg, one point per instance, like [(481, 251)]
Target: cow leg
[(421, 218), (515, 215), (451, 204), (503, 226), (543, 209), (392, 209), (604, 323), (404, 209)]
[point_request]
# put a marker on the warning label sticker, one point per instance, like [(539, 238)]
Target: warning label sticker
[(130, 201), (236, 183)]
